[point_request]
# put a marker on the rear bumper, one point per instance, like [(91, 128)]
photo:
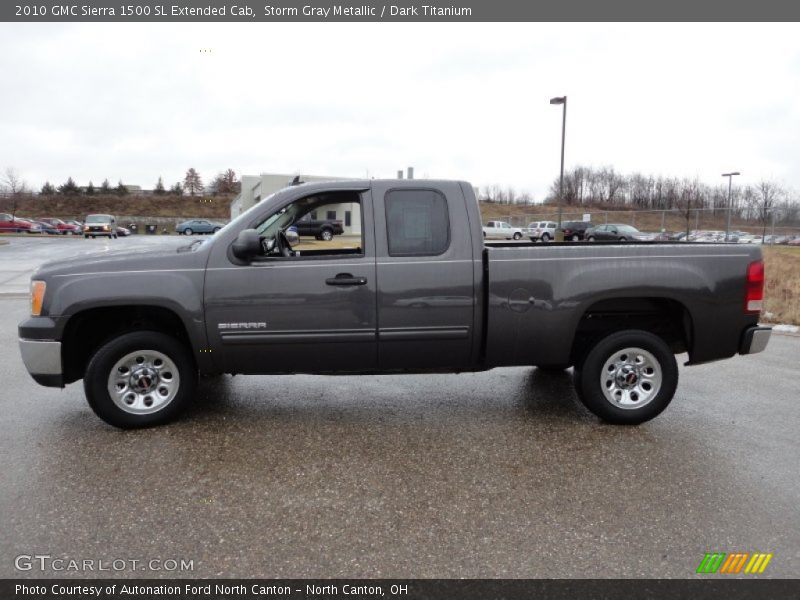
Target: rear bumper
[(42, 359), (754, 340)]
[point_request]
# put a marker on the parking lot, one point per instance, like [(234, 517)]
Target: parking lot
[(497, 474)]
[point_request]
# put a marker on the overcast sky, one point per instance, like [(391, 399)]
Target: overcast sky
[(467, 101)]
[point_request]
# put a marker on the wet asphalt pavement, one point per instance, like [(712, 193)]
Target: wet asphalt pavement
[(499, 474)]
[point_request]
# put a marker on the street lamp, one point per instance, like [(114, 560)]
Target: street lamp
[(563, 101), (728, 218)]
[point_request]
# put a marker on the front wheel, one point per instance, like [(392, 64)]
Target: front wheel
[(545, 237), (591, 238), (518, 236), (575, 238), (326, 235), (628, 377), (140, 379)]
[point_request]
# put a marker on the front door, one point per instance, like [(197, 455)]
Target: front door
[(300, 314)]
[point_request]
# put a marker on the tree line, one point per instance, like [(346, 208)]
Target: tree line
[(605, 187), (225, 182)]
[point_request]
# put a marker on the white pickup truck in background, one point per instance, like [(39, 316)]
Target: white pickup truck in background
[(500, 230)]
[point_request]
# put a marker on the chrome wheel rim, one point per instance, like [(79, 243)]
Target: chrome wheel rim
[(143, 382), (631, 378)]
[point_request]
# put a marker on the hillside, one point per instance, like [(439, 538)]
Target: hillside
[(71, 207)]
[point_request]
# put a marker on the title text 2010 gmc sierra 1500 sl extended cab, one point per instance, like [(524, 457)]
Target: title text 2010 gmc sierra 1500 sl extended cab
[(417, 291)]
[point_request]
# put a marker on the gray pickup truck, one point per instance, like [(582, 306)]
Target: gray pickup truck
[(417, 291)]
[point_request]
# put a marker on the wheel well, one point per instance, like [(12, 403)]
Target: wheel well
[(87, 330), (663, 317)]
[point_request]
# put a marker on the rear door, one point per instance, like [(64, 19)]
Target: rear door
[(425, 277)]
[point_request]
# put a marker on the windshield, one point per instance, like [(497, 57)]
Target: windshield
[(98, 219)]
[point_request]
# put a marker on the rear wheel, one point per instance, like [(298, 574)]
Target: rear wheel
[(591, 238), (326, 235), (188, 231), (140, 379), (545, 237), (628, 377), (518, 236), (216, 229), (575, 238), (623, 239)]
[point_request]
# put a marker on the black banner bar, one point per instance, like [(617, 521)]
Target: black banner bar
[(411, 589), (39, 11)]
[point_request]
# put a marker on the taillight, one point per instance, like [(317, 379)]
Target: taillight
[(754, 288)]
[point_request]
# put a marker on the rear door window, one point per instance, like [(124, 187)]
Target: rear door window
[(417, 223)]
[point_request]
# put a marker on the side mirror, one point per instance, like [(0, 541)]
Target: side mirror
[(247, 245)]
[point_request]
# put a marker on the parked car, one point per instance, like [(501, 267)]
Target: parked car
[(500, 230), (11, 224), (542, 230), (321, 229), (123, 231), (47, 227), (138, 328), (74, 222), (63, 227), (575, 231), (794, 242), (100, 225), (193, 226), (617, 232), (748, 239)]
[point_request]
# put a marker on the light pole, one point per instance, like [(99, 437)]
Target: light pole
[(728, 218), (563, 101)]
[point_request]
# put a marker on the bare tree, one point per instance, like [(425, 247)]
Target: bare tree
[(764, 201), (13, 184), (225, 183)]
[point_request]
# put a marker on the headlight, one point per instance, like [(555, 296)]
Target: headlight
[(86, 228), (37, 297)]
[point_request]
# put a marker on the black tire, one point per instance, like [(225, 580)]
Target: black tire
[(188, 231), (545, 237), (591, 238), (326, 235), (517, 236), (575, 238), (86, 237), (623, 239), (216, 229), (589, 375), (97, 374)]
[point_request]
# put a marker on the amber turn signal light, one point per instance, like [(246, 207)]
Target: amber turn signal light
[(37, 297)]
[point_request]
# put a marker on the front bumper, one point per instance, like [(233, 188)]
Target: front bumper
[(755, 339), (42, 359)]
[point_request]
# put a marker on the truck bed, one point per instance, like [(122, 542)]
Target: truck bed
[(538, 295)]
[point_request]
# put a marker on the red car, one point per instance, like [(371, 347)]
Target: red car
[(62, 227), (10, 224)]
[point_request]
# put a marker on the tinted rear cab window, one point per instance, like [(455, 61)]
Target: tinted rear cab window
[(417, 223)]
